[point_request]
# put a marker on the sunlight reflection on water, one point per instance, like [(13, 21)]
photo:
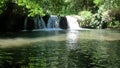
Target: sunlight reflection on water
[(60, 49), (72, 39)]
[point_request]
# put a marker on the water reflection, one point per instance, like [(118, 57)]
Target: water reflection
[(72, 39), (48, 54), (71, 49)]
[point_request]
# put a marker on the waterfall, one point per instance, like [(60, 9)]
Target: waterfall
[(25, 24), (72, 23), (53, 22), (34, 23), (39, 23)]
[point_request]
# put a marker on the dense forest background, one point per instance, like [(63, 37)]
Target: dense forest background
[(95, 13)]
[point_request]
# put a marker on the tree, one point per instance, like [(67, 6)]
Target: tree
[(33, 6)]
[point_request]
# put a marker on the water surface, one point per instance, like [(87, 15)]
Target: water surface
[(60, 49)]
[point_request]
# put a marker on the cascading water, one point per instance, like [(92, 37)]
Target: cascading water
[(25, 24), (72, 23), (39, 23), (53, 22)]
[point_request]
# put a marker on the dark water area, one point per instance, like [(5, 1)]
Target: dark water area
[(60, 49)]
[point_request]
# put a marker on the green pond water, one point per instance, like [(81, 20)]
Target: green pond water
[(60, 49)]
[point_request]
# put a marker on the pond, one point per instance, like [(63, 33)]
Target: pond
[(60, 49)]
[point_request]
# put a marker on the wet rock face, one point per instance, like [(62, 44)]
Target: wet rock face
[(11, 20), (63, 22), (13, 23), (45, 18), (30, 24)]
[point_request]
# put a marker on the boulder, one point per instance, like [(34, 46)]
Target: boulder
[(63, 22)]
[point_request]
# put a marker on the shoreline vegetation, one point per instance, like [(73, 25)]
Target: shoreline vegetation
[(95, 14)]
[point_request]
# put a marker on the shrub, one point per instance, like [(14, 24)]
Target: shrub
[(86, 16)]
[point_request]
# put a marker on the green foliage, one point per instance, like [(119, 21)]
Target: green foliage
[(68, 7), (33, 6), (86, 16), (1, 5), (97, 2), (110, 4), (114, 24), (102, 17), (53, 6)]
